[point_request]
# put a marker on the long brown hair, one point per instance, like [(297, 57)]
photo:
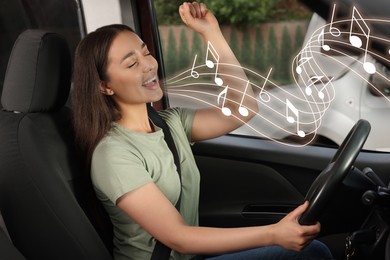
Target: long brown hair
[(93, 112)]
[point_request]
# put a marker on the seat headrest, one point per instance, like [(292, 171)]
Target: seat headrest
[(38, 73)]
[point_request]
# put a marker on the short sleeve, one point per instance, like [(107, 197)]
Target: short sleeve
[(116, 171), (182, 116)]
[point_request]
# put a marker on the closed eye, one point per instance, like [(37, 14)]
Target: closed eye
[(132, 65)]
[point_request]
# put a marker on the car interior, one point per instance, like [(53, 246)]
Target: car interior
[(41, 187), (49, 210)]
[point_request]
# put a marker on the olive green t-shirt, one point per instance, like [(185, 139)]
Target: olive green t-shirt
[(125, 160)]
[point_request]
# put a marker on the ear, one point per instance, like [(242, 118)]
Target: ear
[(105, 89)]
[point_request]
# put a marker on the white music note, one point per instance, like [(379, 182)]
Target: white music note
[(314, 80), (194, 73), (211, 64), (357, 42), (225, 110), (321, 94), (290, 119), (302, 61), (321, 41), (263, 92), (241, 109), (354, 39), (333, 30)]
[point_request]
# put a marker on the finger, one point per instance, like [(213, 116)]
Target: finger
[(185, 13), (191, 9), (203, 9), (299, 210), (196, 7), (311, 231)]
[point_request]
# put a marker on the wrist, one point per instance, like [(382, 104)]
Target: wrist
[(272, 235), (212, 35)]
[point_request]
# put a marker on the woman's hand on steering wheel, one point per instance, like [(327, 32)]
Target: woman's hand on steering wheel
[(290, 234)]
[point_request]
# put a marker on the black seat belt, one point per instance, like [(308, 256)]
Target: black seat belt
[(161, 251)]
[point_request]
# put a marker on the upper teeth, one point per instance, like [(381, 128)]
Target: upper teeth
[(149, 81)]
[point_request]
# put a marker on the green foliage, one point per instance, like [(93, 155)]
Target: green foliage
[(239, 12), (233, 41), (261, 55), (197, 46), (167, 11), (184, 57), (171, 61), (273, 52), (246, 48), (259, 61), (299, 38), (286, 52), (289, 10)]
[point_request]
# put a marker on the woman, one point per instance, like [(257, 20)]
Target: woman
[(132, 169)]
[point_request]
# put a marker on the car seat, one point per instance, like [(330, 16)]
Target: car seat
[(42, 192)]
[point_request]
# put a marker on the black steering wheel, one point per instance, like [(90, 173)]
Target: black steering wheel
[(332, 176)]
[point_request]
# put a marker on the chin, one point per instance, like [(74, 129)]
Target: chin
[(157, 96)]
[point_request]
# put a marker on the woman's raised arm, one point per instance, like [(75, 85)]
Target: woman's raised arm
[(240, 104)]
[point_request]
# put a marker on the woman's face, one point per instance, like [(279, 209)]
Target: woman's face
[(131, 71)]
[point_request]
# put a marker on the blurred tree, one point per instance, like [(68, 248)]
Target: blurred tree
[(184, 53), (167, 11), (273, 52), (286, 53), (299, 38), (197, 46), (171, 61), (246, 48), (233, 41), (239, 12), (288, 10), (259, 61)]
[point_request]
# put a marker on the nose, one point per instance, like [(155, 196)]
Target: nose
[(149, 63)]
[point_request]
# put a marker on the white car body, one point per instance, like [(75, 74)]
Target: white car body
[(348, 98)]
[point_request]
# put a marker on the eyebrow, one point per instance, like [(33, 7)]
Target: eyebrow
[(143, 45)]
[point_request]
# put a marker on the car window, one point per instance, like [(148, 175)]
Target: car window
[(312, 86), (96, 15), (53, 15)]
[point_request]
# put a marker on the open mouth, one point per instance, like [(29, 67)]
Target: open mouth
[(150, 83)]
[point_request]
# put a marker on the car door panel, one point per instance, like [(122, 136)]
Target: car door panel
[(244, 192), (248, 181)]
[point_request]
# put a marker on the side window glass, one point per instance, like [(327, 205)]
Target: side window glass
[(16, 16), (308, 91)]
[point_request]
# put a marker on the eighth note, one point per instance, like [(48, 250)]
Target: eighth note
[(321, 94), (357, 42), (225, 110), (314, 80), (211, 64), (299, 67), (353, 39), (290, 119)]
